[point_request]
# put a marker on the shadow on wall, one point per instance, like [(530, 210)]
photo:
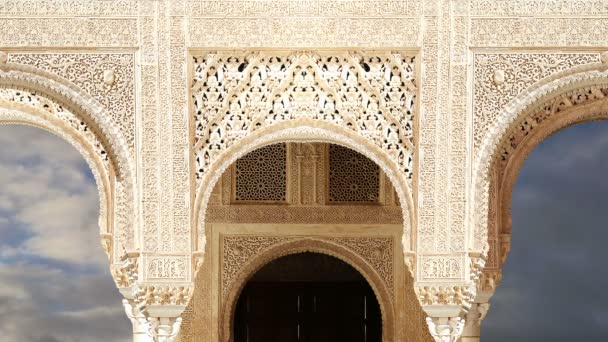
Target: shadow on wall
[(55, 283), (554, 280)]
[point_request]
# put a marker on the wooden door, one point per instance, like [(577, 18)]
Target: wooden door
[(307, 312)]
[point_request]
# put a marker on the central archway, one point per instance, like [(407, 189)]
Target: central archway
[(308, 245), (305, 130), (307, 297)]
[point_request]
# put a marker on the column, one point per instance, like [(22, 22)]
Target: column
[(141, 326), (445, 329), (472, 327), (165, 329), (445, 322)]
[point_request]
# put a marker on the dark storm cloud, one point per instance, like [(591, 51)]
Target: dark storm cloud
[(54, 278), (554, 280)]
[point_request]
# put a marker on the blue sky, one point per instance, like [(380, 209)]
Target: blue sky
[(55, 284), (554, 280)]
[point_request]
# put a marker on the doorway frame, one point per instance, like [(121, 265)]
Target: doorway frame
[(278, 246)]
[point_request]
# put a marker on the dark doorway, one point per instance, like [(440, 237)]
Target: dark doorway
[(307, 297)]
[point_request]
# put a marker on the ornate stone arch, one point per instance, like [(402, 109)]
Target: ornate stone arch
[(301, 245), (309, 130), (565, 99), (33, 97)]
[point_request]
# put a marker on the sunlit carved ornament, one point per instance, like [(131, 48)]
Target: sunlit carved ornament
[(373, 94)]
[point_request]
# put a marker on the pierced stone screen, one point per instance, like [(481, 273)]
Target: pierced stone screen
[(352, 177), (262, 175)]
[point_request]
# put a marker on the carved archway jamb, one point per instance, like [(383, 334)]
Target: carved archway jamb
[(582, 97), (303, 130), (507, 172), (38, 98), (287, 245), (547, 92), (89, 110)]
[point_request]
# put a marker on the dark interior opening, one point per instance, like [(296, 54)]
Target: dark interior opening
[(307, 297)]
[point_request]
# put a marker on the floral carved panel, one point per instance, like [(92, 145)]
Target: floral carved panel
[(239, 250), (499, 78), (373, 94), (108, 77)]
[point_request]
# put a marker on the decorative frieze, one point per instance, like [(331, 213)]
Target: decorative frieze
[(535, 8), (434, 267), (69, 32), (298, 32), (164, 295), (445, 295), (532, 32), (313, 8), (60, 8), (174, 268)]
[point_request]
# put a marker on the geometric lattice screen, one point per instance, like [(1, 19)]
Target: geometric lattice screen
[(353, 178), (261, 175)]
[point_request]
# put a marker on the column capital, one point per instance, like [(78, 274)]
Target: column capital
[(472, 328), (445, 329), (155, 311)]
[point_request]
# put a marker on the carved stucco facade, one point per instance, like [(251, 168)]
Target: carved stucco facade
[(467, 89)]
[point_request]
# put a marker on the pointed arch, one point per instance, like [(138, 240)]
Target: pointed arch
[(574, 96), (37, 98), (304, 130)]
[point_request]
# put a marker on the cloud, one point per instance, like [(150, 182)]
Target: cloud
[(42, 304), (54, 278), (47, 193)]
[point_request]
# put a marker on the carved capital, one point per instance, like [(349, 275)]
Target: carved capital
[(165, 329), (474, 316), (141, 326), (444, 329), (155, 312)]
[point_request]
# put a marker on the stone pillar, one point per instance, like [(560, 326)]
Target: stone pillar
[(445, 329), (157, 324), (472, 327), (165, 329), (445, 322), (141, 326)]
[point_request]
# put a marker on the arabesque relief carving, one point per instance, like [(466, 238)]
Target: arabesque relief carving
[(500, 77), (444, 88), (238, 250), (108, 77), (373, 94)]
